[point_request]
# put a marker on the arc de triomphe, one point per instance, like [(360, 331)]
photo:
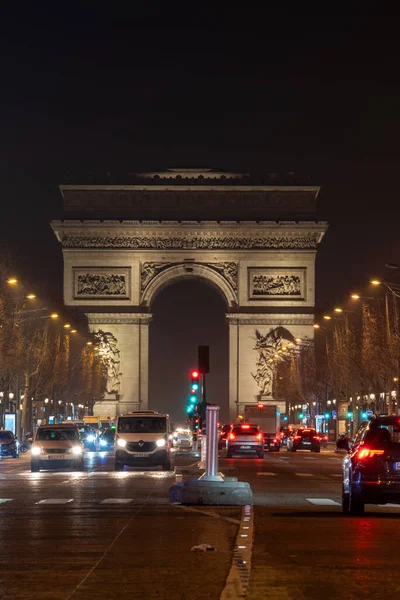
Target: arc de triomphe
[(256, 244)]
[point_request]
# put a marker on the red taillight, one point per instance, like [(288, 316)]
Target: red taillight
[(259, 436), (368, 453), (245, 426), (232, 437), (274, 441), (297, 437), (316, 437)]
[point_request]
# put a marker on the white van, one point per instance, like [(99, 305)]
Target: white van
[(142, 440)]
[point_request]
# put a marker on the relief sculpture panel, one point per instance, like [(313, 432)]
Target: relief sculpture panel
[(277, 283), (93, 282)]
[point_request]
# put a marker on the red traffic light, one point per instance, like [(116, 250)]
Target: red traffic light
[(195, 374), (260, 405)]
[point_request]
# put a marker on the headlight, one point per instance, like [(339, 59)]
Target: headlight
[(90, 438), (76, 450), (160, 443), (103, 443), (35, 450), (121, 443)]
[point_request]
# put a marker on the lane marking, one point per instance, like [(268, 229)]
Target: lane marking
[(323, 502), (116, 501), (304, 474), (55, 501), (389, 505), (238, 580), (336, 474), (309, 458), (4, 500), (266, 473)]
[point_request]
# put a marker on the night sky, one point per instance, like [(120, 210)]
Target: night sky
[(94, 91)]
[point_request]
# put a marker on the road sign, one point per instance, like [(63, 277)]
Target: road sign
[(307, 416), (369, 413), (334, 415)]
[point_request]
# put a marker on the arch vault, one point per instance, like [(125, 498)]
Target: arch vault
[(261, 262)]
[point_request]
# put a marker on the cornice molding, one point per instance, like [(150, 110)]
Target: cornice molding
[(119, 318), (275, 320)]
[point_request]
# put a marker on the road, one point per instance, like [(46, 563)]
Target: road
[(105, 534)]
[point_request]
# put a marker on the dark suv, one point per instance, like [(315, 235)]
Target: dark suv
[(8, 444), (304, 439), (371, 472)]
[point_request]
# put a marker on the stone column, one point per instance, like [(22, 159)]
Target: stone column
[(132, 334), (234, 369)]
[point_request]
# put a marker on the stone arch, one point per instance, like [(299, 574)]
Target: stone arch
[(176, 273)]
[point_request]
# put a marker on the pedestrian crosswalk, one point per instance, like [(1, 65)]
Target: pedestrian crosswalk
[(298, 474)]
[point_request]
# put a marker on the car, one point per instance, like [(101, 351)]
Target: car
[(323, 439), (304, 439), (245, 439), (182, 438), (272, 442), (107, 439), (223, 436), (371, 471), (57, 446), (8, 444)]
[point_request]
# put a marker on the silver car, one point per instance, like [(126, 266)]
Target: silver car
[(245, 439)]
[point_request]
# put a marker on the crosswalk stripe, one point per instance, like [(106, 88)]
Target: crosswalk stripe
[(309, 458), (336, 474), (389, 505), (304, 474), (266, 473), (322, 502), (116, 501), (55, 501), (4, 500)]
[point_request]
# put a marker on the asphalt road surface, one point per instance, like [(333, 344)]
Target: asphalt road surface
[(105, 534)]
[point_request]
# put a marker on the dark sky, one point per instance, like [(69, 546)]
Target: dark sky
[(88, 91)]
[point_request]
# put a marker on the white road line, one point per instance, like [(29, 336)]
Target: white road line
[(309, 458), (4, 500), (322, 502), (266, 473), (238, 580), (55, 501), (304, 474), (116, 501), (336, 474), (389, 505)]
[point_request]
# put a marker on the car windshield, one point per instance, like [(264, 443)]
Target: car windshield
[(245, 430), (6, 435), (142, 425), (55, 435)]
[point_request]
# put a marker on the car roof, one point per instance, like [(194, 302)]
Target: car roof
[(58, 425), (385, 420)]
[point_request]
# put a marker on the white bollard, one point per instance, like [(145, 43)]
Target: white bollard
[(202, 463), (211, 444)]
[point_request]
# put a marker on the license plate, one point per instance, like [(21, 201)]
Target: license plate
[(245, 447), (397, 466), (56, 457), (141, 454), (307, 443)]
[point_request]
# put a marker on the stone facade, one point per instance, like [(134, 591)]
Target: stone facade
[(114, 269)]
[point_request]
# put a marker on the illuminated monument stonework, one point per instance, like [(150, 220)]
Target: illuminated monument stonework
[(255, 243)]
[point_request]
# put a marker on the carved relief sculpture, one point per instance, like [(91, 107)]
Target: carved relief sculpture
[(228, 270), (110, 358), (266, 346), (101, 283), (277, 283)]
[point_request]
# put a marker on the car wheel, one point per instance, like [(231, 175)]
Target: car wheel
[(35, 468), (317, 450), (166, 466), (356, 503), (228, 455), (119, 466), (345, 502)]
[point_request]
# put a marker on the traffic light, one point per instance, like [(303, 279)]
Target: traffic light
[(364, 415), (193, 399), (194, 376), (327, 415), (301, 416), (285, 418), (189, 410), (349, 414)]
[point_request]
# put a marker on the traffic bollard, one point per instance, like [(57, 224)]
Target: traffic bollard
[(211, 444)]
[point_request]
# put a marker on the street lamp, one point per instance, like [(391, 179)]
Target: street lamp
[(12, 281)]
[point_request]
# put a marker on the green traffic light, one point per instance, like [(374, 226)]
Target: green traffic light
[(189, 409), (195, 386), (301, 416), (326, 415), (364, 415), (193, 398), (349, 415)]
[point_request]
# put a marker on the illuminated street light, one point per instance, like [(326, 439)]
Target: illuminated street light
[(316, 326), (327, 317), (54, 316), (355, 296), (375, 282), (73, 331), (31, 296), (67, 325), (12, 281), (89, 343), (338, 310), (298, 340)]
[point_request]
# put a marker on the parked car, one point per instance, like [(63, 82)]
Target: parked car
[(223, 436), (304, 439), (272, 442), (371, 471), (323, 439), (245, 439), (8, 444)]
